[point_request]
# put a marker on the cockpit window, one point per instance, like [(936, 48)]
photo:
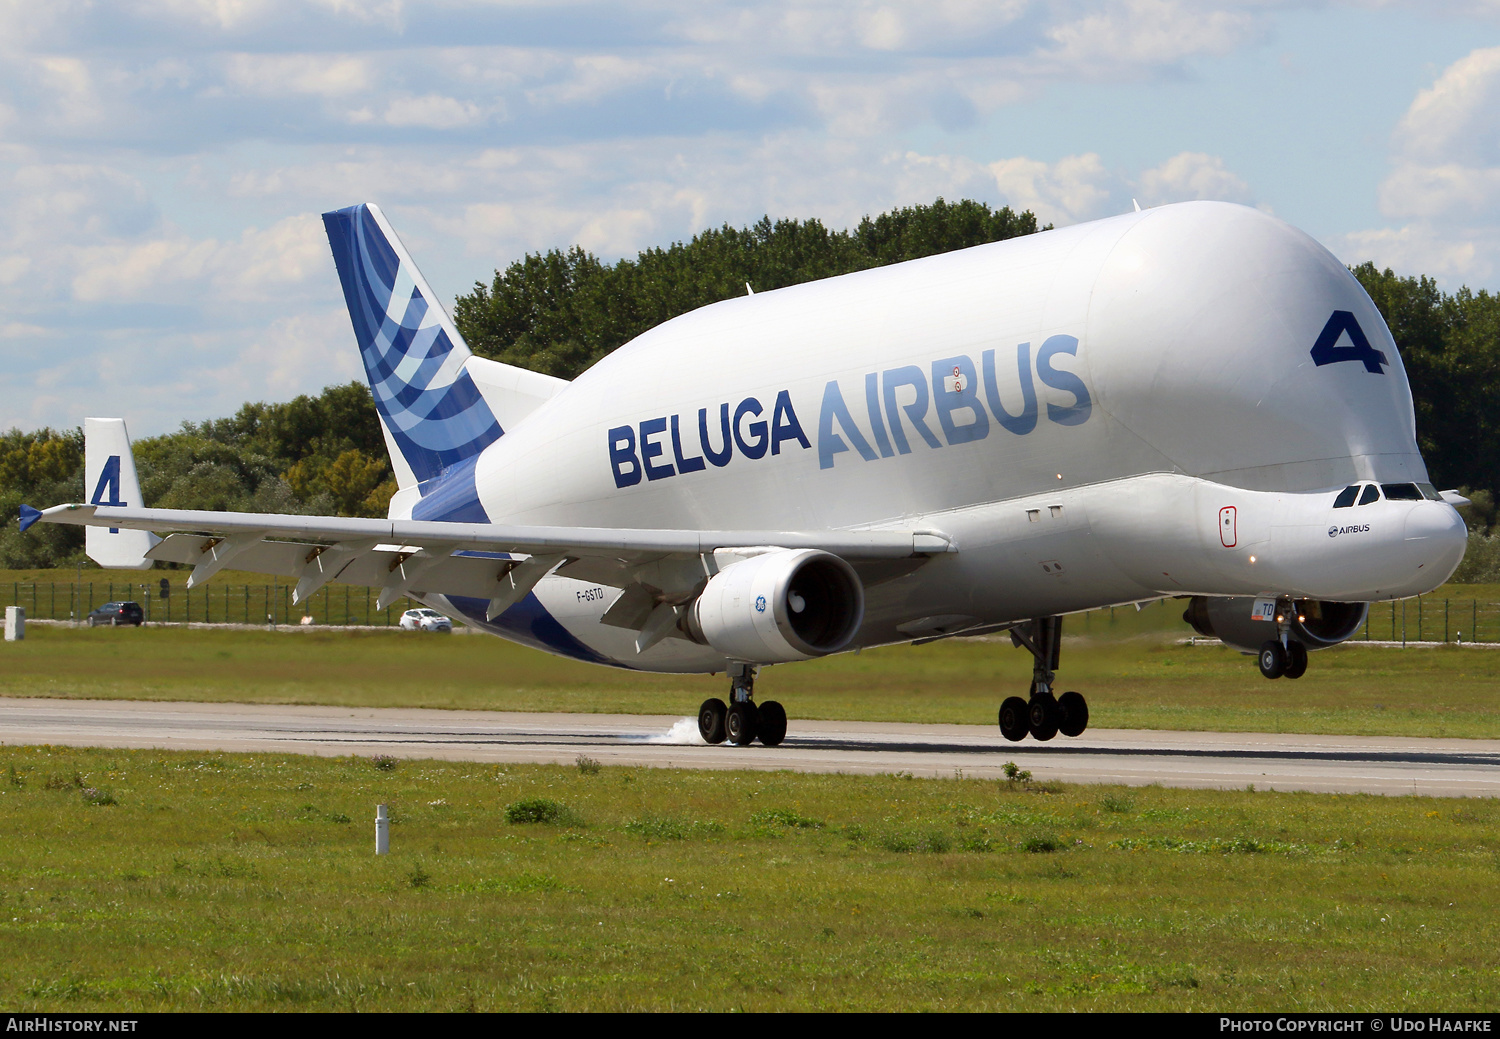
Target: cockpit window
[(1346, 496), (1401, 492), (1372, 493), (1429, 492)]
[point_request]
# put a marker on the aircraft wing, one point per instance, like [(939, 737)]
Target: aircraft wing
[(470, 559)]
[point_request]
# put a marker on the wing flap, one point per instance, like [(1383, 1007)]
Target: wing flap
[(476, 576), (268, 557)]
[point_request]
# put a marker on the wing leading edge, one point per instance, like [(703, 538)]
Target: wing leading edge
[(402, 557)]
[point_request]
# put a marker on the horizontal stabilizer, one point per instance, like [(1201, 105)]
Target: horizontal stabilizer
[(512, 393)]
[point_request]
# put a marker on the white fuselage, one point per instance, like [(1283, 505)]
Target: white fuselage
[(1076, 410)]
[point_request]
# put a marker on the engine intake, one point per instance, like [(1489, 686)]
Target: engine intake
[(780, 606), (1227, 618)]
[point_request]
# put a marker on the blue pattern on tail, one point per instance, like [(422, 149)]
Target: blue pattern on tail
[(429, 404)]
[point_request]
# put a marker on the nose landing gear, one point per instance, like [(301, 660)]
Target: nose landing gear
[(1283, 656), (1044, 715), (741, 722)]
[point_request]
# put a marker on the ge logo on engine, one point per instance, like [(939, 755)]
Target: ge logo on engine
[(760, 604)]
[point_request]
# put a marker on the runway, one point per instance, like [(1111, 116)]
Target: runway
[(1343, 764)]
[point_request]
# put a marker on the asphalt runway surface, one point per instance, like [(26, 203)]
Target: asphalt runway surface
[(1344, 764)]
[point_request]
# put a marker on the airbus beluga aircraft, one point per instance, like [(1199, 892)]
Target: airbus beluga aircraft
[(1195, 401)]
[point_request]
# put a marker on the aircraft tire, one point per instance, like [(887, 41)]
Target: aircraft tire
[(771, 725), (711, 720), (1043, 714), (1075, 714), (1296, 660), (1272, 658), (1015, 723), (739, 723)]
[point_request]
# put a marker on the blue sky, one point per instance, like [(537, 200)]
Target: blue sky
[(163, 162)]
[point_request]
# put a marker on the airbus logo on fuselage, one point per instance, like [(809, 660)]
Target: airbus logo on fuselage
[(1335, 531), (897, 404)]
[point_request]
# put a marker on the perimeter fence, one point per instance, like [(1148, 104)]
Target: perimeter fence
[(1423, 619), (337, 605)]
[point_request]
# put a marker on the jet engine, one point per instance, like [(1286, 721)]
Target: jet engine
[(780, 606), (1316, 624)]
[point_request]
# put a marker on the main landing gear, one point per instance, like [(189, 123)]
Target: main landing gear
[(1044, 715), (741, 722)]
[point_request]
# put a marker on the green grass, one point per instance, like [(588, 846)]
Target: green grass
[(1144, 681), (248, 882)]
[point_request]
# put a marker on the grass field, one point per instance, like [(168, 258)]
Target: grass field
[(146, 880), (156, 881), (1133, 676)]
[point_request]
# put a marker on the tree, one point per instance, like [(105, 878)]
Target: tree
[(1450, 346)]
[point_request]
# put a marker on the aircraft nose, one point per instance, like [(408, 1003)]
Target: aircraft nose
[(1437, 533)]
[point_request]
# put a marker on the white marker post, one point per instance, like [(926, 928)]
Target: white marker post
[(382, 831), (15, 623)]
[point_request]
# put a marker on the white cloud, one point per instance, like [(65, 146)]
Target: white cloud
[(69, 87), (261, 266), (1143, 34), (1424, 248), (1444, 180), (282, 75), (291, 354), (12, 268), (1189, 176), (433, 112), (1463, 193), (1074, 188), (1457, 119)]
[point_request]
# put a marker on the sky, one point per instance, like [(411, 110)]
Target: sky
[(163, 163)]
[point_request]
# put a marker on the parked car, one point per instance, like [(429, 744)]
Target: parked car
[(425, 620), (115, 614)]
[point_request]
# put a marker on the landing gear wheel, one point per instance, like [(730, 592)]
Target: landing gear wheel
[(1296, 660), (1043, 713), (1272, 659), (1015, 723), (1075, 714), (772, 723), (711, 720), (739, 723)]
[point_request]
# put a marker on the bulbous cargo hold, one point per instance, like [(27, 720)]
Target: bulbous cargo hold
[(1175, 340), (1245, 353)]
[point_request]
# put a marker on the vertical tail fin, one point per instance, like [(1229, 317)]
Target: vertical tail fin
[(109, 479), (433, 414)]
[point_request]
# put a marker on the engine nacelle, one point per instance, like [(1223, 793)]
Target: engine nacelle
[(1316, 624), (790, 604)]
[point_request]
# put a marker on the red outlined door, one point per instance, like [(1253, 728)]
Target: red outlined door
[(1228, 535)]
